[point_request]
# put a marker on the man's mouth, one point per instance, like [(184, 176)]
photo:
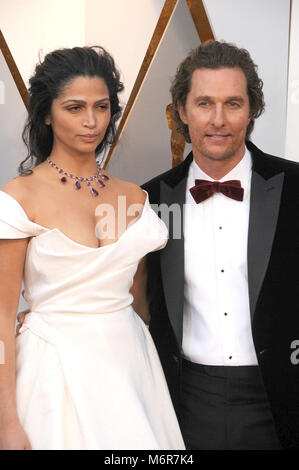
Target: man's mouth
[(217, 136)]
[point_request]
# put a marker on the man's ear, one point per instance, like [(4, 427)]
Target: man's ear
[(182, 113)]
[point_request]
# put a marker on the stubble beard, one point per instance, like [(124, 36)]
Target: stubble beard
[(206, 154), (229, 154)]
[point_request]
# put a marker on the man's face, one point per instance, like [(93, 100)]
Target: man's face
[(217, 113)]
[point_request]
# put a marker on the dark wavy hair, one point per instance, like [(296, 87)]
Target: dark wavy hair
[(50, 77), (215, 55)]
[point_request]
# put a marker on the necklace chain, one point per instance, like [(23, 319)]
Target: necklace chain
[(79, 179)]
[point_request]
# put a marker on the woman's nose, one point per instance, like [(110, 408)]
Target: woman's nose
[(89, 119)]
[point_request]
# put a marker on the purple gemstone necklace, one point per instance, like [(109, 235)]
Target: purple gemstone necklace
[(97, 178)]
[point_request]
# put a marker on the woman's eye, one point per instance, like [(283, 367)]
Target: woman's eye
[(73, 108)]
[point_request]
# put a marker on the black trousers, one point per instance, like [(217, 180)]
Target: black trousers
[(225, 407)]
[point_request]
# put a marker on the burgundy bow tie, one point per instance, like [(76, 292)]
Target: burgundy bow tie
[(204, 189)]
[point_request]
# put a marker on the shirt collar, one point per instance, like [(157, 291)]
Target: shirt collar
[(242, 171)]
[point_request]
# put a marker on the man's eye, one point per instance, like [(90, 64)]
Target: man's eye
[(233, 104), (203, 104)]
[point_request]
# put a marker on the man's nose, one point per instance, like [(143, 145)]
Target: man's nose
[(218, 117)]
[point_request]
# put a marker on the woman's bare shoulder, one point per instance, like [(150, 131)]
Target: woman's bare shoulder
[(132, 191), (17, 187), (20, 188)]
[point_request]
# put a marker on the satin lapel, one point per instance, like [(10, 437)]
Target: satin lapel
[(264, 209), (172, 257)]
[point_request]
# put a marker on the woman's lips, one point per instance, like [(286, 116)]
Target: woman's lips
[(89, 138)]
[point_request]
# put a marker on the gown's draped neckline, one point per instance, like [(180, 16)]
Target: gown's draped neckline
[(61, 233)]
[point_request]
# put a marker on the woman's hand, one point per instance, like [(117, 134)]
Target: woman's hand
[(13, 437)]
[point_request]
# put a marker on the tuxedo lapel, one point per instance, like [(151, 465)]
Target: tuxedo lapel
[(264, 209), (172, 194)]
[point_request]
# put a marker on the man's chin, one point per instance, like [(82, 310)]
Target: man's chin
[(218, 156)]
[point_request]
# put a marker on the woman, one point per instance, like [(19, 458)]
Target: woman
[(87, 372)]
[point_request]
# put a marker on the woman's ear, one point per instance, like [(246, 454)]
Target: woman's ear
[(48, 121)]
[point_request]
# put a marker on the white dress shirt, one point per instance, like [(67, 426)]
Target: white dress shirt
[(216, 325)]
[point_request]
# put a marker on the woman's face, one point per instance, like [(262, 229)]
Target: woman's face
[(80, 115)]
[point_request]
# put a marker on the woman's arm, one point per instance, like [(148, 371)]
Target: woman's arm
[(138, 290), (12, 257)]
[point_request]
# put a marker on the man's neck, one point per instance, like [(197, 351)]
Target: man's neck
[(217, 169)]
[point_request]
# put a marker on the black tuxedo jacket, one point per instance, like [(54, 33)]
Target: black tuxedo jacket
[(273, 280)]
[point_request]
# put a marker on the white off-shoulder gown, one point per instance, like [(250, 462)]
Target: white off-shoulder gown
[(87, 372)]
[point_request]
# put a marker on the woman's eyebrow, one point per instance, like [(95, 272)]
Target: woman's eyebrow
[(84, 102)]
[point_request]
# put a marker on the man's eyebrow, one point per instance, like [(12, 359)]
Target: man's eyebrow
[(235, 98), (84, 102), (209, 98), (202, 98)]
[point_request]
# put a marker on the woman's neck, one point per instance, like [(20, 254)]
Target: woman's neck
[(83, 165)]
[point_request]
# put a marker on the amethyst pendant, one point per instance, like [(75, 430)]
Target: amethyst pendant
[(94, 192)]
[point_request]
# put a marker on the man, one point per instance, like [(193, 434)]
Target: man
[(224, 296)]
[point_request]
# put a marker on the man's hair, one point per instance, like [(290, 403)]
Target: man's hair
[(215, 55)]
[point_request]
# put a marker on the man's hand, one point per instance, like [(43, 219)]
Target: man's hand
[(21, 318)]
